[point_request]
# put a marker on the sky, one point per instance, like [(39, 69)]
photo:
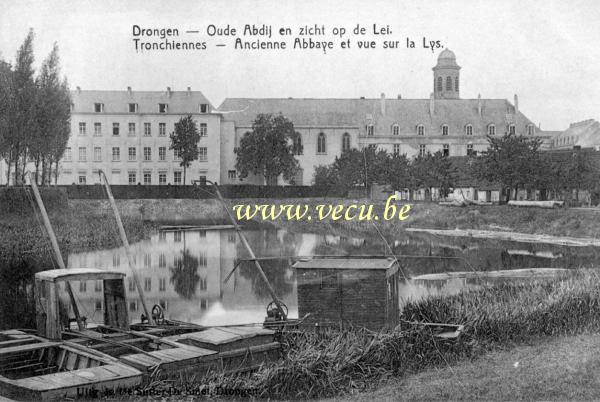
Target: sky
[(544, 51)]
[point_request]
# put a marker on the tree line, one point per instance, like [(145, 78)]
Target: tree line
[(35, 113)]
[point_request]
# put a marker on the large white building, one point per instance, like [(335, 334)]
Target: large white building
[(126, 133)]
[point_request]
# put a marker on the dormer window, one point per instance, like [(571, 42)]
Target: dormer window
[(98, 107), (395, 129), (370, 130), (203, 108), (420, 129), (491, 129), (469, 129), (133, 108), (445, 129), (163, 108)]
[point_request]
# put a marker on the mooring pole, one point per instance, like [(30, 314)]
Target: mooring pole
[(54, 242), (130, 256), (242, 237)]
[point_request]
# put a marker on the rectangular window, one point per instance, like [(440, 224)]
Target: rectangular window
[(202, 154), (97, 129), (162, 129), (162, 153), (97, 286), (162, 284), (422, 150), (147, 129), (131, 131), (177, 236), (81, 128), (147, 260), (147, 154), (396, 149), (82, 286), (133, 108), (97, 154), (147, 178), (148, 284), (231, 174), (177, 177), (203, 130), (203, 108), (98, 305), (68, 155), (116, 260), (133, 305), (202, 261), (162, 178), (162, 261), (131, 285), (131, 177), (115, 128), (446, 151), (469, 149), (491, 129), (203, 304), (82, 179), (420, 130), (82, 154), (132, 153), (98, 107), (469, 130), (163, 108), (395, 129), (202, 284), (511, 129), (370, 130), (176, 155), (444, 130), (116, 154)]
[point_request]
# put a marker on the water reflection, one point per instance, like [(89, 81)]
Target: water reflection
[(184, 271)]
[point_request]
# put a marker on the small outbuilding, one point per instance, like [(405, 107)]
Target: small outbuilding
[(343, 291)]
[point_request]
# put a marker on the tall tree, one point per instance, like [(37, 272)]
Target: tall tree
[(433, 170), (511, 160), (268, 149), (6, 104), (22, 124), (185, 140), (52, 115)]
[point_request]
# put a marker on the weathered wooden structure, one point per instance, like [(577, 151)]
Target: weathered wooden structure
[(343, 291)]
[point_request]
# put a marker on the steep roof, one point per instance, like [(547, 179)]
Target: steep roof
[(117, 101), (584, 134), (383, 113)]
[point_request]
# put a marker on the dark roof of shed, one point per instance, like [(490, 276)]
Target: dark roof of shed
[(345, 263)]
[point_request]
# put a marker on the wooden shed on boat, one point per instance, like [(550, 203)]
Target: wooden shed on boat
[(342, 291)]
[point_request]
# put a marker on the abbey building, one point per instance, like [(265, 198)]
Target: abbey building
[(126, 133)]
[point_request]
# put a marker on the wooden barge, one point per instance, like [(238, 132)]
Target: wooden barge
[(62, 362)]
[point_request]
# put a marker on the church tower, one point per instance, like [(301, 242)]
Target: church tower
[(446, 76)]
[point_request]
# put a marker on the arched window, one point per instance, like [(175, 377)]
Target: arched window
[(321, 149), (420, 129), (298, 148), (511, 129), (345, 142), (491, 129), (448, 83), (395, 129), (456, 84), (440, 85), (445, 129), (469, 129)]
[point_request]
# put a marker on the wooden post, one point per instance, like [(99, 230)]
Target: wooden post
[(130, 257), (242, 237), (54, 242)]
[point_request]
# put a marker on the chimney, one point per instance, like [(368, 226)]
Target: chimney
[(516, 104), (431, 105), (479, 104), (78, 90), (189, 91), (169, 92), (383, 103), (129, 91)]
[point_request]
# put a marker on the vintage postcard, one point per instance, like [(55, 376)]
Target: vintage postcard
[(357, 200)]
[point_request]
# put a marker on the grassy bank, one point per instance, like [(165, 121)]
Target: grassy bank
[(495, 317), (554, 222)]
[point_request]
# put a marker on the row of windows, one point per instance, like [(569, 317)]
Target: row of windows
[(131, 129), (131, 154), (298, 147), (563, 141), (468, 129), (162, 108), (132, 177), (440, 84), (423, 149)]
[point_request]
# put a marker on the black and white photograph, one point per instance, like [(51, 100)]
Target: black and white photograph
[(299, 200)]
